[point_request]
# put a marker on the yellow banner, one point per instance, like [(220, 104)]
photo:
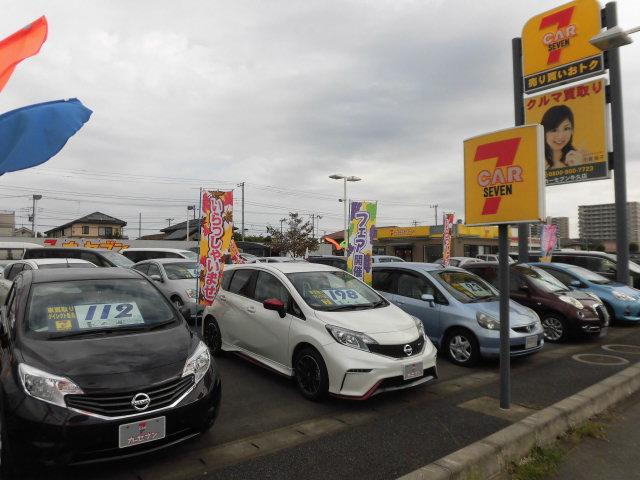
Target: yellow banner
[(402, 232)]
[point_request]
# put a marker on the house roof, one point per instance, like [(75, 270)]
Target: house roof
[(95, 217)]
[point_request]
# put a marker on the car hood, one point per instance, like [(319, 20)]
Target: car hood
[(184, 283), (618, 287), (518, 315), (373, 321), (116, 361)]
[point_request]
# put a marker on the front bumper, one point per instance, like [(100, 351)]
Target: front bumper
[(51, 435), (358, 375), (490, 343)]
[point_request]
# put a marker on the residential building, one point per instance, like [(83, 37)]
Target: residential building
[(23, 232), (94, 225), (7, 223), (598, 222)]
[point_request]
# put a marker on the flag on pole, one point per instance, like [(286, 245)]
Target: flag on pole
[(32, 135), (25, 43)]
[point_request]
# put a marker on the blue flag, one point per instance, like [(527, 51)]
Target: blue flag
[(32, 135)]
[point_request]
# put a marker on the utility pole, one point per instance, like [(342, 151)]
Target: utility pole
[(282, 220), (415, 223), (33, 216), (242, 185), (313, 224), (139, 224), (435, 206), (169, 220)]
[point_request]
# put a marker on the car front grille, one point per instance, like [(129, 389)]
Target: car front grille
[(120, 403), (398, 351), (525, 328)]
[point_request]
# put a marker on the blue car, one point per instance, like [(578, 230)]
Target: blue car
[(459, 310), (621, 301)]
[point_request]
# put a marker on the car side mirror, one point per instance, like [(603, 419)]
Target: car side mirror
[(276, 305), (427, 297), (157, 278), (524, 287)]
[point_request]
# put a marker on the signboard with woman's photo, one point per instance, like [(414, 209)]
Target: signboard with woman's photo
[(575, 132)]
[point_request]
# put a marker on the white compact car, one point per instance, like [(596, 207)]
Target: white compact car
[(321, 326)]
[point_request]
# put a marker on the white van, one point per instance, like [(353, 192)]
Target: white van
[(11, 251)]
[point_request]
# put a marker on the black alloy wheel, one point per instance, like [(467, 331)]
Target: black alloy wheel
[(212, 336), (461, 346), (311, 375)]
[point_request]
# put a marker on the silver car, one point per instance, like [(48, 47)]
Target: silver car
[(459, 310), (176, 278)]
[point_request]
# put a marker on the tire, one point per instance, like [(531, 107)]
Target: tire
[(212, 336), (555, 328), (177, 301), (461, 346), (611, 312), (7, 465), (310, 373)]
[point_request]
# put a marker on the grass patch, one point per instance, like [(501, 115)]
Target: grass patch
[(538, 465), (587, 429)]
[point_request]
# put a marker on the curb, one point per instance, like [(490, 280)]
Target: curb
[(490, 456)]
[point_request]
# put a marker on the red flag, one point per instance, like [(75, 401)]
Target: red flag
[(23, 44)]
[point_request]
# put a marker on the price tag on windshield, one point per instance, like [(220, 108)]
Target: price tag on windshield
[(107, 315), (61, 318), (345, 296), (475, 289)]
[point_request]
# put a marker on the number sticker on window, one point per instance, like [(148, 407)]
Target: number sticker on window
[(344, 296), (107, 315)]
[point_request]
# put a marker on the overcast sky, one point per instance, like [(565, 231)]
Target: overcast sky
[(279, 94)]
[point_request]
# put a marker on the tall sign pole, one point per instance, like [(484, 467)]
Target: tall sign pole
[(620, 174), (518, 105)]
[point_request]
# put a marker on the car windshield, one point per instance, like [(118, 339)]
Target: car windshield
[(116, 258), (66, 265), (334, 291), (588, 275), (466, 287), (79, 307), (181, 270), (542, 279)]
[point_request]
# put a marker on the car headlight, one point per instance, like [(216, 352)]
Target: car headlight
[(622, 296), (487, 321), (198, 363), (349, 338), (46, 386), (594, 296), (572, 301), (420, 327), (191, 292)]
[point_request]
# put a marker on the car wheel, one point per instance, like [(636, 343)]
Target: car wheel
[(310, 373), (462, 348), (212, 336), (177, 301), (611, 312), (555, 328)]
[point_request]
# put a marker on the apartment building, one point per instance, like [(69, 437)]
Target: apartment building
[(598, 222)]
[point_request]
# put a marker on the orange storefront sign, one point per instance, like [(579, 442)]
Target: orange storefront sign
[(504, 176)]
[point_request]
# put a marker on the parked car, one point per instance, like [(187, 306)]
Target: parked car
[(605, 264), (459, 310), (97, 364), (323, 327), (621, 301), (459, 261), (492, 257), (563, 312), (278, 260), (12, 270), (5, 285), (10, 251), (138, 254), (331, 260), (385, 259), (176, 278), (99, 257)]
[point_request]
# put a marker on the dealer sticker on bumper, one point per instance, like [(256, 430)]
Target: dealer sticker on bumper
[(412, 370), (144, 431)]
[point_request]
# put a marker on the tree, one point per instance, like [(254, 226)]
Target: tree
[(600, 247), (295, 240)]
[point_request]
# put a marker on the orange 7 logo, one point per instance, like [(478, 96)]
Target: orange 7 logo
[(505, 153), (561, 19)]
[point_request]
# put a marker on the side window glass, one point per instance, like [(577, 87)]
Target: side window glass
[(413, 287), (562, 276), (154, 270), (514, 282), (144, 268), (268, 286), (607, 266), (172, 255), (226, 279), (241, 282), (382, 280), (17, 268)]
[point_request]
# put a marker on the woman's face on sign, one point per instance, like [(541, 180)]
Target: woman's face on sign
[(559, 137)]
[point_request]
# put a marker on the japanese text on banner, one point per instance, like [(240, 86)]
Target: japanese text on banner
[(361, 232), (446, 238)]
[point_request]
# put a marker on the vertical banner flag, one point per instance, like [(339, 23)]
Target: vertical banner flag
[(361, 232), (548, 240), (25, 43), (215, 237), (446, 237), (235, 253)]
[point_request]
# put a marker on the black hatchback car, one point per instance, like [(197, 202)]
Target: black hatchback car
[(99, 257), (98, 364)]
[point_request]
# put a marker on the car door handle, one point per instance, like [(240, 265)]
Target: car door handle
[(251, 309)]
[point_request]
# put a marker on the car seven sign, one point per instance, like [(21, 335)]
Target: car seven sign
[(504, 177)]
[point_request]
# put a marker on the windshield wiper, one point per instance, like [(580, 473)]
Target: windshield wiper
[(335, 308), (105, 331), (380, 303)]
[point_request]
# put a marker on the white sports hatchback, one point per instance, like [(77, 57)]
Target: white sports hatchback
[(321, 326)]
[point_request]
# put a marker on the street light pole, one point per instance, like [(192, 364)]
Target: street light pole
[(282, 220), (345, 178), (435, 206), (189, 207), (33, 217), (242, 185)]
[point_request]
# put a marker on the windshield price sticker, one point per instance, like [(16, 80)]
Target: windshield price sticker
[(319, 296), (61, 318), (474, 287), (344, 296), (101, 315)]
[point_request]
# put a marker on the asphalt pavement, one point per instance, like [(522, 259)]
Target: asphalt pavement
[(267, 430)]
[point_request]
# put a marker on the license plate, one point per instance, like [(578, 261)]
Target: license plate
[(412, 370), (144, 431), (531, 342)]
